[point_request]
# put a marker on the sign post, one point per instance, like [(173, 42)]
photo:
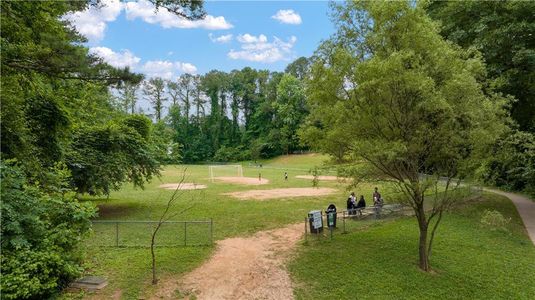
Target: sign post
[(316, 221)]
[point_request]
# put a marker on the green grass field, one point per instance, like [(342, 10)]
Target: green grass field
[(469, 261), (375, 260)]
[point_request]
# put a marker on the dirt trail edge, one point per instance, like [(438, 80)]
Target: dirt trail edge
[(241, 268), (526, 209)]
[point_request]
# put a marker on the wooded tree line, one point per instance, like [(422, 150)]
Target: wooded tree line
[(219, 116)]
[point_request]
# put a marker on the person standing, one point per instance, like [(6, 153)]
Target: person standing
[(377, 200), (286, 176), (352, 203)]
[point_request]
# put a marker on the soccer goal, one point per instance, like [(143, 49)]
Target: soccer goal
[(225, 171)]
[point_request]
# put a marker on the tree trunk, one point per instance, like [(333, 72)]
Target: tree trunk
[(422, 247), (154, 279), (422, 250), (152, 242)]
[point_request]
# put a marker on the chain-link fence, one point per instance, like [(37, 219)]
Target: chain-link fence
[(112, 233)]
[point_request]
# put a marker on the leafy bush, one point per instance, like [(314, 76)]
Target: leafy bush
[(512, 163), (494, 219), (41, 234)]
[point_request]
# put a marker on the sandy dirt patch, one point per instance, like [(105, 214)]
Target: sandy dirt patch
[(243, 180), (281, 193), (323, 177), (241, 268), (183, 186)]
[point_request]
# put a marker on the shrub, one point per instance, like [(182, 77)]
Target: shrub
[(494, 219), (41, 234)]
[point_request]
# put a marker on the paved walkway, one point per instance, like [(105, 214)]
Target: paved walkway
[(526, 209)]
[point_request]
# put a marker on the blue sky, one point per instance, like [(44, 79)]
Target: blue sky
[(235, 34)]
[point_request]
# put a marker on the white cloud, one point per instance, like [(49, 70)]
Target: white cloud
[(247, 38), (91, 22), (287, 16), (122, 59), (166, 69), (258, 49), (145, 10), (152, 68), (220, 39)]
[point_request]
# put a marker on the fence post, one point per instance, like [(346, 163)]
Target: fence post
[(211, 231), (306, 219), (344, 220), (185, 233), (116, 234)]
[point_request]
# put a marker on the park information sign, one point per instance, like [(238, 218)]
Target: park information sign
[(316, 219)]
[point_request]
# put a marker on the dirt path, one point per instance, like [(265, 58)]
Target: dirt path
[(281, 193), (526, 209), (242, 268)]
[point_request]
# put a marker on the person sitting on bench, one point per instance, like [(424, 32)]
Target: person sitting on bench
[(361, 204)]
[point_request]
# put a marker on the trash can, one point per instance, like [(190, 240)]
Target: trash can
[(316, 221), (331, 216)]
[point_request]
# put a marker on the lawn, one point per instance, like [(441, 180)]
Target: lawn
[(470, 261), (318, 268), (128, 268)]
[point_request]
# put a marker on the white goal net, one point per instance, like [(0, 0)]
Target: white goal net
[(225, 171)]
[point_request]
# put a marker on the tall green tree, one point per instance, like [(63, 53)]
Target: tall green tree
[(413, 105), (154, 90), (299, 68), (128, 96), (290, 111)]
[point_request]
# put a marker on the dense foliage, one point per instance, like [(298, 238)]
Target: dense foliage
[(511, 164), (102, 157), (504, 33), (41, 232)]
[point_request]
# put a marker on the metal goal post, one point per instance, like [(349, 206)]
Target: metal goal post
[(237, 170)]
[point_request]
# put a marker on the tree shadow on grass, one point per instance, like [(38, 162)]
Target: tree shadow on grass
[(110, 210)]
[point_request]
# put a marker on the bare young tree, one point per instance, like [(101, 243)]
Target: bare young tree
[(166, 216)]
